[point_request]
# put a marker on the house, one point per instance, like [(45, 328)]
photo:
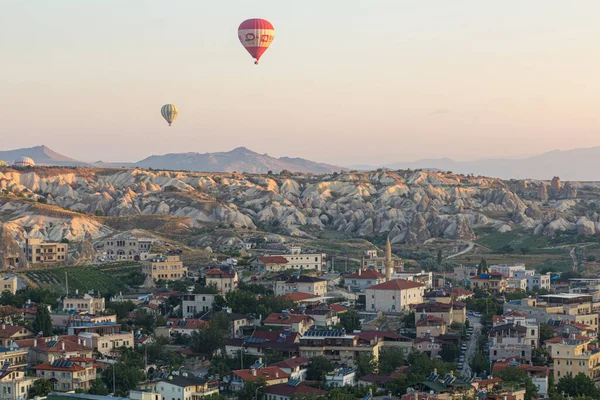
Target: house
[(564, 326), (180, 326), (460, 294), (67, 374), (9, 283), (292, 390), (88, 303), (164, 268), (429, 326), (538, 374), (301, 283), (240, 324), (337, 345), (447, 386), (323, 316), (296, 323), (535, 281), (40, 252), (186, 387), (107, 342), (296, 367), (256, 346), (270, 263), (341, 377), (509, 340), (10, 333), (430, 345), (493, 283), (298, 297), (11, 315), (373, 379), (271, 375), (125, 247), (296, 259), (362, 279), (438, 296), (509, 271), (394, 296), (371, 259), (194, 304), (46, 350), (384, 339), (15, 385), (441, 310), (573, 355), (13, 357), (224, 278)]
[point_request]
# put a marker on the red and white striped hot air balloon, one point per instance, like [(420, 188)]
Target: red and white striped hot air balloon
[(256, 35)]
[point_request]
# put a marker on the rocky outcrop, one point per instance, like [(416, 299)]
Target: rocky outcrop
[(555, 186), (11, 254), (543, 192)]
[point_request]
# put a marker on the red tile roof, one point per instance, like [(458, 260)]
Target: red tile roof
[(268, 373), (50, 367), (218, 273), (285, 390), (273, 260), (273, 336), (338, 307), (6, 311), (462, 292), (368, 273), (8, 331), (397, 284), (291, 363), (430, 320), (298, 296), (187, 323), (277, 318), (559, 339), (151, 306), (500, 366)]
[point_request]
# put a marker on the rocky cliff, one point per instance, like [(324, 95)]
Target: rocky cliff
[(411, 206)]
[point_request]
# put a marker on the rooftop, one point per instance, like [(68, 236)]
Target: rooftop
[(268, 373), (368, 273), (397, 284)]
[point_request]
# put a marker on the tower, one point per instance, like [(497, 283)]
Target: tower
[(388, 260)]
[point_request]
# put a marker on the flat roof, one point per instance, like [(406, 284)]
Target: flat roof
[(316, 299), (566, 295), (585, 279)]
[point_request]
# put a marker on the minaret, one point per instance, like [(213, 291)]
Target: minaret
[(388, 260)]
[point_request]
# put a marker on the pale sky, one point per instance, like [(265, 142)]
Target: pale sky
[(345, 81)]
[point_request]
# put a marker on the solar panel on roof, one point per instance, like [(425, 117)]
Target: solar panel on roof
[(52, 343), (293, 382)]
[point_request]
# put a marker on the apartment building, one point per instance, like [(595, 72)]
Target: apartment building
[(67, 374), (15, 385), (394, 296), (535, 281), (429, 326), (507, 270), (193, 304), (432, 309), (297, 259), (38, 252), (106, 338), (371, 259), (508, 340), (125, 247), (335, 344), (493, 282), (359, 281), (224, 278), (185, 387), (87, 303), (573, 355), (165, 268), (301, 283)]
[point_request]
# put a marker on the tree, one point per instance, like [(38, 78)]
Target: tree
[(365, 364), (40, 387), (449, 352), (145, 319), (517, 376), (390, 358), (208, 339), (127, 377), (439, 257), (42, 321), (318, 367), (579, 385), (546, 332), (478, 363), (98, 387), (252, 390), (482, 268), (350, 321)]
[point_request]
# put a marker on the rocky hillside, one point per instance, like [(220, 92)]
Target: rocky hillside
[(411, 206)]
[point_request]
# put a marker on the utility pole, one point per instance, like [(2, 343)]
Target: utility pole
[(67, 283), (114, 382)]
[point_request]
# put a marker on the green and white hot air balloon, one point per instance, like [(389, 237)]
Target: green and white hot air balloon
[(169, 112)]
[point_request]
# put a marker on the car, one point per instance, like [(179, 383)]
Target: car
[(460, 365), (461, 359), (469, 312), (477, 314), (463, 347)]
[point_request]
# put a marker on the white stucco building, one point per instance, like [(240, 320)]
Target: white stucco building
[(394, 296)]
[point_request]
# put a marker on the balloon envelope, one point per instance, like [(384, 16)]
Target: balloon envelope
[(256, 35), (169, 112)]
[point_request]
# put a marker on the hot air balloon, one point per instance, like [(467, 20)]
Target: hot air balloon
[(256, 36), (169, 112)]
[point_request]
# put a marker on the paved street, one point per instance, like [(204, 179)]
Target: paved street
[(472, 344)]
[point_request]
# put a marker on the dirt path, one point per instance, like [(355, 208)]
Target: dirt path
[(470, 246)]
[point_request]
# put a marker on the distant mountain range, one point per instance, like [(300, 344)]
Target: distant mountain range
[(240, 159), (576, 165)]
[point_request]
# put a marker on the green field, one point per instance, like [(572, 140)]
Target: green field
[(104, 278)]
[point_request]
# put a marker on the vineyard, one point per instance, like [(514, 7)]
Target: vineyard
[(104, 278)]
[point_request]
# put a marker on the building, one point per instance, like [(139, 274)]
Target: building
[(194, 304), (270, 263), (440, 310), (509, 340), (432, 345), (86, 303), (165, 268), (371, 260), (271, 375), (40, 252), (359, 281), (462, 273), (106, 338), (10, 333), (337, 345), (460, 294), (535, 281), (296, 367), (564, 326), (394, 296), (126, 247), (538, 375), (293, 322), (507, 270), (429, 326), (298, 260), (292, 390), (341, 377), (301, 283), (225, 279), (49, 349), (15, 385), (516, 284), (185, 387), (67, 374), (13, 357), (493, 283), (573, 355), (9, 283), (180, 326)]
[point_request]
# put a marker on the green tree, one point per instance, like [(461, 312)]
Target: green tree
[(516, 376), (449, 352), (546, 332), (208, 339), (365, 364), (145, 320), (482, 268), (42, 321), (350, 321), (318, 367), (252, 390), (439, 257), (478, 363), (122, 309), (40, 387), (98, 387), (126, 377), (579, 385), (390, 358)]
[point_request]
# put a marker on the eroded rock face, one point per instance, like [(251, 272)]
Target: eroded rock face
[(11, 254), (410, 206)]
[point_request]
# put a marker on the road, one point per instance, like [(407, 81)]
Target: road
[(470, 246), (472, 344)]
